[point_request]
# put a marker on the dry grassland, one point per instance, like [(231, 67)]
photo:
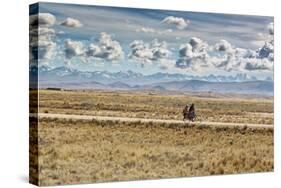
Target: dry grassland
[(73, 152), (81, 151), (160, 106)]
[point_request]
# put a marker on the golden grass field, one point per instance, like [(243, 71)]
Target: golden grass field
[(82, 151), (160, 106)]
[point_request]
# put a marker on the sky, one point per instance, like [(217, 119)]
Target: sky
[(97, 38)]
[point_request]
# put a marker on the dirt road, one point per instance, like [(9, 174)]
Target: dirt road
[(124, 119)]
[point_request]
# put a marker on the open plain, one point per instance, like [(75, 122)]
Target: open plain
[(93, 150)]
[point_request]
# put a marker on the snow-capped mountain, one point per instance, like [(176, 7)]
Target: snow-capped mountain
[(65, 77), (69, 74)]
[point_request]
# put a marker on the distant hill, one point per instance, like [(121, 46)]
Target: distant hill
[(119, 85), (249, 87)]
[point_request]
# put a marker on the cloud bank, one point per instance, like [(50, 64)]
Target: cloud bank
[(42, 45), (178, 52), (198, 55)]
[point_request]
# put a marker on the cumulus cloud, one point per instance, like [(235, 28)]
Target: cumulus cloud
[(223, 45), (42, 45), (239, 59), (42, 32), (45, 49), (73, 48), (266, 51), (180, 23), (41, 48), (140, 51), (223, 55), (258, 64), (42, 19), (197, 55), (193, 55), (71, 22), (148, 52), (106, 48)]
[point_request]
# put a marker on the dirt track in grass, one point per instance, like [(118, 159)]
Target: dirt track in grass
[(142, 120)]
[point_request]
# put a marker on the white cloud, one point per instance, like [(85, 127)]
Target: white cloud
[(193, 55), (239, 59), (61, 32), (166, 64), (140, 51), (146, 30), (198, 45), (73, 48), (271, 28), (106, 48), (159, 49), (148, 52), (186, 50), (45, 49), (253, 64), (197, 55), (41, 31), (223, 45), (42, 45), (152, 30), (71, 22), (180, 23), (42, 19)]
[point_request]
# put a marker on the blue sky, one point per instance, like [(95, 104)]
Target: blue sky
[(148, 41)]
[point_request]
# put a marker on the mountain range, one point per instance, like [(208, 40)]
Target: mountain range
[(65, 77)]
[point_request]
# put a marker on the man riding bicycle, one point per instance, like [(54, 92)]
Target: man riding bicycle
[(189, 113)]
